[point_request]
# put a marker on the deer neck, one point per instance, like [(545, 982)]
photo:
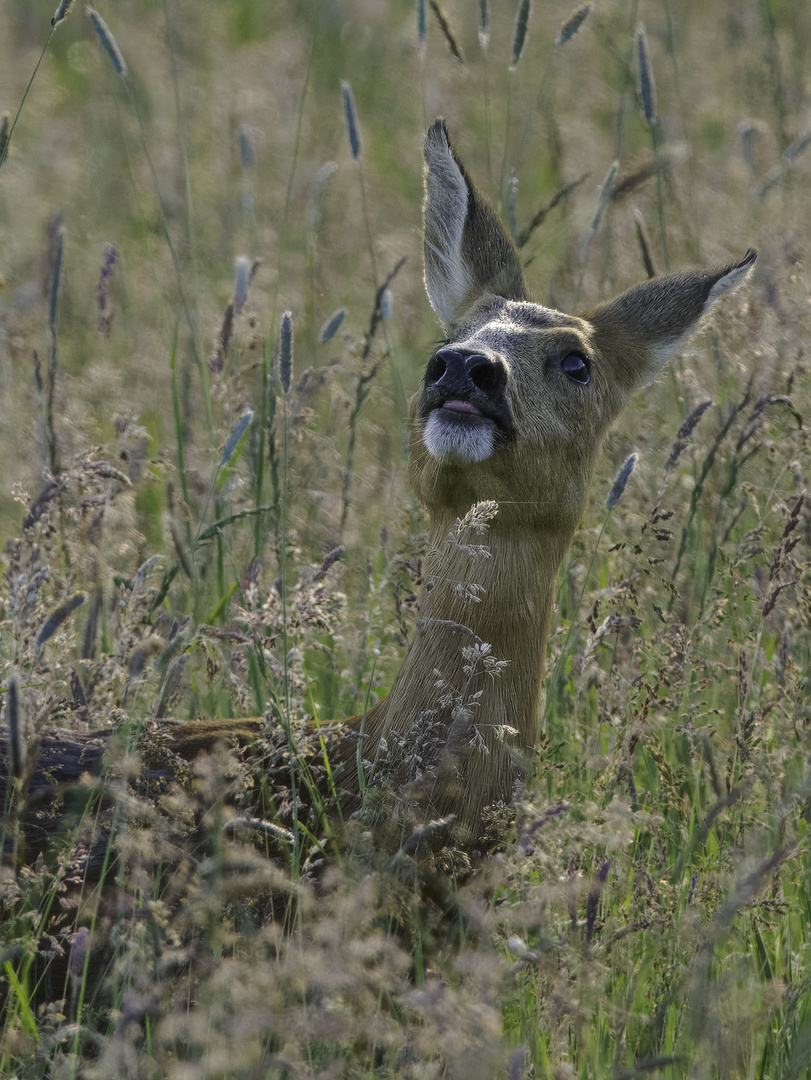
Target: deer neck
[(485, 599)]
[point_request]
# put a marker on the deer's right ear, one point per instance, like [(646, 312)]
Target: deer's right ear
[(467, 252)]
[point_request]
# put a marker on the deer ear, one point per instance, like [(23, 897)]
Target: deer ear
[(467, 252), (640, 330)]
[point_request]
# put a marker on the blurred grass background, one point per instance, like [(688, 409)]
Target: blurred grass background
[(650, 913)]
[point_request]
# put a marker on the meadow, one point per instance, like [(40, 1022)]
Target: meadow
[(212, 319)]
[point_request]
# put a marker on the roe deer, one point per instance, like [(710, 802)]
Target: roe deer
[(512, 410)]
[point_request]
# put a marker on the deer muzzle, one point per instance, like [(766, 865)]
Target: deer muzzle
[(464, 405)]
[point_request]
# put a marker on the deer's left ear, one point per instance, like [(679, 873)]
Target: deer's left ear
[(640, 330)]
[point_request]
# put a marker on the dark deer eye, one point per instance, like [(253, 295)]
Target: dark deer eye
[(576, 368)]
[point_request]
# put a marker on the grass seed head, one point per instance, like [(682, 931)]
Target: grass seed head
[(286, 350), (233, 440), (793, 150), (352, 123), (56, 618), (104, 302), (484, 24), (573, 24), (242, 279), (519, 32), (447, 32), (56, 277), (331, 326), (62, 11), (622, 478), (645, 83), (247, 153), (5, 124), (108, 42)]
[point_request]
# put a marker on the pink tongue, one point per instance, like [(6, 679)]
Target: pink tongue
[(460, 406)]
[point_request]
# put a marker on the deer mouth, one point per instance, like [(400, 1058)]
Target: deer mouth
[(457, 406), (464, 430)]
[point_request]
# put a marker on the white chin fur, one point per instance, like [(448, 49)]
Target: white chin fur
[(448, 438)]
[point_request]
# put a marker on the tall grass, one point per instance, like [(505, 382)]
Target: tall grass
[(239, 522)]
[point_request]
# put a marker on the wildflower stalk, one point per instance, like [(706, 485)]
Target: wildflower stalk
[(62, 11), (285, 375), (484, 42), (698, 487), (201, 367), (354, 136), (362, 389), (603, 200), (628, 65), (181, 144), (544, 102), (356, 148), (265, 419), (230, 446), (53, 314), (179, 435), (646, 87)]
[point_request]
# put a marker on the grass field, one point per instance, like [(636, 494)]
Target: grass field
[(205, 514)]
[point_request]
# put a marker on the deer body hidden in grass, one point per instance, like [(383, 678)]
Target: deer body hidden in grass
[(511, 413)]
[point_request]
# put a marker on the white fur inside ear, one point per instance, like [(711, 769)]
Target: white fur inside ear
[(447, 278), (730, 280), (659, 355)]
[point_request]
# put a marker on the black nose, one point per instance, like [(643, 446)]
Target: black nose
[(460, 371)]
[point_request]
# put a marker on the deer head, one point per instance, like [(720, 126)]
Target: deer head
[(514, 405), (512, 408)]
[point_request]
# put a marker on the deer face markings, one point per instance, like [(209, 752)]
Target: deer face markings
[(508, 355)]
